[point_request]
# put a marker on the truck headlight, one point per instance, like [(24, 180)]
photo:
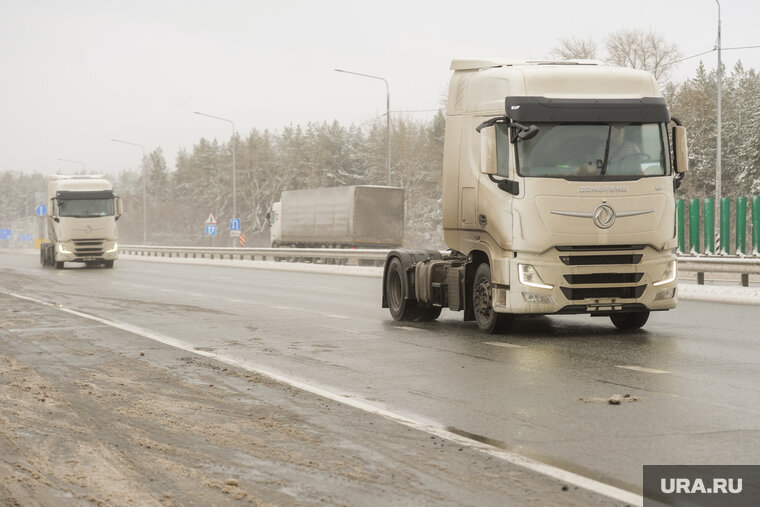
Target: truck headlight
[(530, 277), (669, 275), (62, 250), (114, 248)]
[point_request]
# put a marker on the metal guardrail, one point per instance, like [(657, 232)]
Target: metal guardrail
[(303, 254), (743, 266), (699, 264)]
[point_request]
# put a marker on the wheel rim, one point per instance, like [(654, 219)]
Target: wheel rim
[(482, 299), (395, 289)]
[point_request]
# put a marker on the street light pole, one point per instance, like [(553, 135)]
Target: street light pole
[(387, 113), (144, 193), (84, 167), (718, 134), (232, 142)]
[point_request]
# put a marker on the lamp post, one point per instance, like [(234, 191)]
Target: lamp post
[(387, 113), (232, 142), (718, 133), (144, 193), (84, 167)]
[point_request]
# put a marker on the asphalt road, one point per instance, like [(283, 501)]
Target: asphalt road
[(687, 381)]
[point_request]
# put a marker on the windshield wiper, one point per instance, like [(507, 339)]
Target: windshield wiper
[(606, 153)]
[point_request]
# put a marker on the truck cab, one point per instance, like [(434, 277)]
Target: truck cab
[(558, 182), (83, 212)]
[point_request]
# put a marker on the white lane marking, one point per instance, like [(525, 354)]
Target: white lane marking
[(641, 369), (408, 328), (352, 400), (337, 316), (505, 345), (278, 307)]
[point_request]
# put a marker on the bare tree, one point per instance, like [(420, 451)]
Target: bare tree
[(642, 50), (574, 48)]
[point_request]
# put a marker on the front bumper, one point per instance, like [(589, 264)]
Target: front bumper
[(88, 250), (593, 280)]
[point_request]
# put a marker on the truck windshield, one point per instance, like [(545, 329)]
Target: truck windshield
[(614, 151), (83, 208)]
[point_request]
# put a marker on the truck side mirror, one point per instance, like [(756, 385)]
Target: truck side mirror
[(119, 208), (681, 158), (488, 164), (54, 210)]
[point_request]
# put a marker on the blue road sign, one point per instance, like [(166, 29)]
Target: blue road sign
[(6, 233), (235, 224), (210, 229), (40, 210)]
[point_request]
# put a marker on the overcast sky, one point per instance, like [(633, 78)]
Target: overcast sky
[(75, 74)]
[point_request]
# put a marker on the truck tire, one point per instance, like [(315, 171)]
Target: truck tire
[(108, 264), (59, 265), (395, 290), (631, 320), (488, 321), (429, 314)]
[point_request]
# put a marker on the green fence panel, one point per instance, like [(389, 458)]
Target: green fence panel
[(694, 243), (725, 225), (710, 226), (679, 226), (741, 225), (756, 225)]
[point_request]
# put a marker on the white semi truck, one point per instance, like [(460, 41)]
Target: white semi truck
[(82, 216), (356, 216), (558, 183)]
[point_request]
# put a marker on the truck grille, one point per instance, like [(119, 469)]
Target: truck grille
[(88, 247), (575, 294), (618, 284)]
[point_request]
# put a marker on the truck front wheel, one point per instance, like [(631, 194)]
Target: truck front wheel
[(59, 265), (631, 320), (487, 319)]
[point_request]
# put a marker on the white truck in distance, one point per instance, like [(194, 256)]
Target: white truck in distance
[(358, 216), (82, 215), (558, 183)]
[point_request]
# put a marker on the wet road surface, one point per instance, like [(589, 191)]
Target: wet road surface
[(687, 382)]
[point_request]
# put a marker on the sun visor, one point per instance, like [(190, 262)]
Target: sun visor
[(85, 194), (544, 110)]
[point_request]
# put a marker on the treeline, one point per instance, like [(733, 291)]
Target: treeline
[(266, 163), (330, 154)]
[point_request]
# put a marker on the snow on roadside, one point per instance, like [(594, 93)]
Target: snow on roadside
[(719, 293)]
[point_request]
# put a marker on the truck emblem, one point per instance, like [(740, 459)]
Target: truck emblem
[(603, 216)]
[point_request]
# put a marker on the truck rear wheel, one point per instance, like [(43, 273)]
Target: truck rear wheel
[(395, 291), (487, 319), (631, 320)]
